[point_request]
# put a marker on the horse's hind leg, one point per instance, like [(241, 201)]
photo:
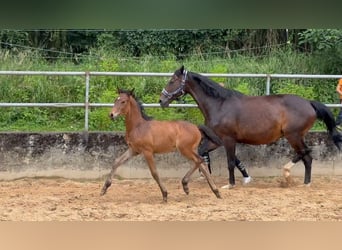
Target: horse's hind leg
[(119, 161), (303, 153), (150, 161), (246, 178)]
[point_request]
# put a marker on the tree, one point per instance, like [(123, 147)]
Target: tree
[(326, 44)]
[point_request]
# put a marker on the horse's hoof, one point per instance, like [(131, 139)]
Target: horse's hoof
[(246, 180), (307, 185), (286, 172), (229, 186)]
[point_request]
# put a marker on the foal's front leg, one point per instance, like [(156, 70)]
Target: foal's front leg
[(119, 161), (150, 161)]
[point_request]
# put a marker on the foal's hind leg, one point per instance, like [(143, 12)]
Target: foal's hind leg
[(150, 161), (119, 161), (210, 181), (191, 155)]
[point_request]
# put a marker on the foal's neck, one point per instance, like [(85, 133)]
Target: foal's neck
[(133, 117)]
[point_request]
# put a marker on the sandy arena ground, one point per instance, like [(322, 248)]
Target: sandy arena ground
[(56, 199)]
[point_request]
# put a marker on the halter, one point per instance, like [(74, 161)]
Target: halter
[(180, 89)]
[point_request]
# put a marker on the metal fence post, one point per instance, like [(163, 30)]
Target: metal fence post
[(268, 84), (86, 101)]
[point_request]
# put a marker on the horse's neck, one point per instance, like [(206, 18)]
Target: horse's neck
[(133, 117), (204, 102)]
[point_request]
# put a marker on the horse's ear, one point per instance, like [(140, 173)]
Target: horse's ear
[(182, 69), (118, 90)]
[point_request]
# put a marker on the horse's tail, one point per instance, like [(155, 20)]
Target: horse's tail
[(324, 114), (209, 133)]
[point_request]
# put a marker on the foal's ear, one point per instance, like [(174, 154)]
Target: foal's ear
[(131, 92)]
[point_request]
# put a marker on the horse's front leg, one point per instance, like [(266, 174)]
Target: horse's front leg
[(119, 161), (229, 145), (204, 148)]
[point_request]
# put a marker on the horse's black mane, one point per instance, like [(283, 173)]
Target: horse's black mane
[(140, 103), (212, 88)]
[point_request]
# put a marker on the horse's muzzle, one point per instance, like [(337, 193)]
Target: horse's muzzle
[(163, 102)]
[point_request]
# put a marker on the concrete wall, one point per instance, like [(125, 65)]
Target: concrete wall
[(90, 155)]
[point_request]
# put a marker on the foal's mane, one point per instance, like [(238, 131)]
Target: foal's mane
[(212, 88), (140, 103)]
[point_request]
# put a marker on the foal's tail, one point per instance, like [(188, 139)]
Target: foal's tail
[(324, 114), (209, 133)]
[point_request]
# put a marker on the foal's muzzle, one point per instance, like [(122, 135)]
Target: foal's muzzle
[(113, 115)]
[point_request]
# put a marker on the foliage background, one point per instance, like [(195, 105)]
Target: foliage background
[(306, 51)]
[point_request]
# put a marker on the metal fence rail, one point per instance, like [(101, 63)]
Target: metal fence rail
[(87, 75)]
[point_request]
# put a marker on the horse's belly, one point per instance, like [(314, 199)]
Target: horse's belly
[(261, 138)]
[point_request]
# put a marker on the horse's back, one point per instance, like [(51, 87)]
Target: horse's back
[(285, 104), (264, 119)]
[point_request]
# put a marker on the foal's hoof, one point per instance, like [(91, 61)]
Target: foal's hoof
[(186, 189), (105, 187), (229, 186), (103, 191), (217, 193)]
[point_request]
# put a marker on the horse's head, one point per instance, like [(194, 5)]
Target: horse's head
[(121, 103), (174, 88)]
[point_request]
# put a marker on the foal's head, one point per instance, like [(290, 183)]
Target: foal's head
[(121, 103)]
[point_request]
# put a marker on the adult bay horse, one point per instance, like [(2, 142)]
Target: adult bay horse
[(238, 118), (148, 137)]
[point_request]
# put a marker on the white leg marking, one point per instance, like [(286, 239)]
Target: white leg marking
[(287, 168)]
